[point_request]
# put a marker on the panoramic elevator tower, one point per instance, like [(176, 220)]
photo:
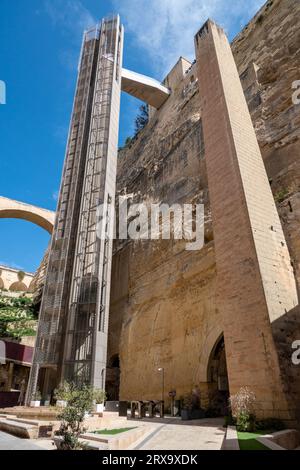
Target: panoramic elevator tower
[(72, 333)]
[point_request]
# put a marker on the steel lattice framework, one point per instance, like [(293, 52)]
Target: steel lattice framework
[(72, 332)]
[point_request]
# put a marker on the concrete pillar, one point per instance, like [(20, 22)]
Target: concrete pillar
[(10, 376), (255, 280)]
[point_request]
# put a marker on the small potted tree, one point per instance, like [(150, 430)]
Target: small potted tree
[(36, 399), (61, 394), (99, 399), (80, 403), (187, 406), (191, 406)]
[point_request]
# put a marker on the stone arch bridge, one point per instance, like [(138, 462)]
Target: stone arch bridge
[(11, 209)]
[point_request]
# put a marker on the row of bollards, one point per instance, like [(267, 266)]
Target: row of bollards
[(139, 409)]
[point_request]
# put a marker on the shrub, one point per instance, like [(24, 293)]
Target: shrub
[(245, 422), (80, 402), (273, 424), (99, 395), (17, 317), (37, 396), (191, 401), (62, 392), (242, 408), (142, 118), (281, 195), (187, 402), (229, 421), (260, 19)]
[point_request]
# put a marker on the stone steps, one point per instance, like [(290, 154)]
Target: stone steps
[(24, 430), (24, 421)]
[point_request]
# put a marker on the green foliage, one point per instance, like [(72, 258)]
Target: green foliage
[(270, 424), (140, 122), (142, 119), (112, 431), (37, 396), (18, 317), (248, 441), (229, 421), (245, 422), (62, 392), (80, 402), (128, 142), (21, 275), (16, 302), (99, 396), (242, 409), (281, 195)]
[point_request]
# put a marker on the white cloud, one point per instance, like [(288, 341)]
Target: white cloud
[(11, 264), (55, 195), (166, 28), (71, 15), (72, 18)]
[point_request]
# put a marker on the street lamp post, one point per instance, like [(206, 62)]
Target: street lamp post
[(162, 370)]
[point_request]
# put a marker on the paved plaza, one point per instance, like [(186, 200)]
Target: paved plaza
[(9, 442), (165, 434), (206, 434)]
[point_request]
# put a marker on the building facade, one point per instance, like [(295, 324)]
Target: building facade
[(168, 308), (222, 132)]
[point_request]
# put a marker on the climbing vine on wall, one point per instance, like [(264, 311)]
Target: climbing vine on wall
[(18, 317)]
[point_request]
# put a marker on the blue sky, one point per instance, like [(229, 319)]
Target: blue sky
[(39, 47)]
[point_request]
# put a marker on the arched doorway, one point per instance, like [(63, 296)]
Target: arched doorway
[(217, 378), (113, 378)]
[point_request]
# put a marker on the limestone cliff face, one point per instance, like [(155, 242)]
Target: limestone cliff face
[(162, 301), (272, 42), (163, 310)]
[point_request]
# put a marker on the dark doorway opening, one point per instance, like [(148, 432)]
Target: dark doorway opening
[(113, 378), (218, 379)]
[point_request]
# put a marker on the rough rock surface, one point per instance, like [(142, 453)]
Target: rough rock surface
[(163, 310)]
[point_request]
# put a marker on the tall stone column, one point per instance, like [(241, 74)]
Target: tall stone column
[(256, 285)]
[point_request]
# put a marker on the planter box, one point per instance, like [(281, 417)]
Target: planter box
[(35, 403), (187, 415), (61, 403), (99, 407)]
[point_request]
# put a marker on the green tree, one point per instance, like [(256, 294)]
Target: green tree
[(142, 118), (79, 402)]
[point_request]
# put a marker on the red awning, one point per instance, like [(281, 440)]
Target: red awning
[(18, 352)]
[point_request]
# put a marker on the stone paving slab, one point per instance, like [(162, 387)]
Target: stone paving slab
[(200, 435), (207, 435), (9, 442)]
